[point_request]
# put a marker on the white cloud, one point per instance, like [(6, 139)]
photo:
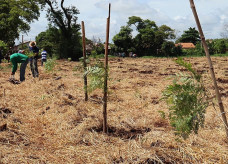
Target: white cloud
[(177, 14), (179, 18)]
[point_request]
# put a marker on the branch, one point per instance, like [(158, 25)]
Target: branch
[(58, 21), (68, 16)]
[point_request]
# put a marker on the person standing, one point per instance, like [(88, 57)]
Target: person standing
[(33, 60), (43, 57), (19, 58)]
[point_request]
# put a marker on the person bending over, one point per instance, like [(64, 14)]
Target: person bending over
[(19, 58)]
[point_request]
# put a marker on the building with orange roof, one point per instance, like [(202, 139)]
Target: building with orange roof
[(186, 45)]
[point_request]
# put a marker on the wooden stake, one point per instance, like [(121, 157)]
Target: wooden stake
[(84, 60), (105, 127), (218, 96), (4, 95), (22, 41)]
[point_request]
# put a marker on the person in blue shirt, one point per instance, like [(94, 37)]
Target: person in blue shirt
[(33, 60)]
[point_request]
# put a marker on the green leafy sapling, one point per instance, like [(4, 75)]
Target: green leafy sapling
[(50, 65), (95, 73), (187, 100)]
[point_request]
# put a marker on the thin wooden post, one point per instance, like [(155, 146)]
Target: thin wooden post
[(218, 95), (105, 127), (84, 60), (4, 96), (22, 41)]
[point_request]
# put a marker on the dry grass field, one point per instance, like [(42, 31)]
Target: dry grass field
[(46, 120)]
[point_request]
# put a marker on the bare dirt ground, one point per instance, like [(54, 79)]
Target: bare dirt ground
[(46, 120)]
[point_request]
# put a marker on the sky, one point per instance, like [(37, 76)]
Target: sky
[(177, 14)]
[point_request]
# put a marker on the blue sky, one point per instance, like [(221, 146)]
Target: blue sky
[(177, 14)]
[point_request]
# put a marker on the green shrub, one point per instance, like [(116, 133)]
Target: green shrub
[(50, 65), (4, 61), (3, 47), (93, 53), (29, 53), (187, 100), (95, 73)]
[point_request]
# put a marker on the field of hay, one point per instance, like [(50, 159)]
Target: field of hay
[(46, 120)]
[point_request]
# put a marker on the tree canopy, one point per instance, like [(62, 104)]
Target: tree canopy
[(123, 40), (65, 20), (15, 17), (190, 36), (49, 40), (148, 39)]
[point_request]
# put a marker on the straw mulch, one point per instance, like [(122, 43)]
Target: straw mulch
[(46, 120)]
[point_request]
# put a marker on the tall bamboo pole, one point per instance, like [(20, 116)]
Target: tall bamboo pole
[(84, 60), (218, 96), (105, 127), (22, 41)]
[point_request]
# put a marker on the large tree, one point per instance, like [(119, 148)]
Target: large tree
[(65, 18), (220, 46), (15, 17), (123, 40), (148, 39), (190, 36), (50, 40)]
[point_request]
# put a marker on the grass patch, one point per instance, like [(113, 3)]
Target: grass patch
[(6, 67), (220, 55), (186, 56)]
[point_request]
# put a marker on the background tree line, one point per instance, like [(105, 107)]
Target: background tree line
[(62, 38), (152, 40)]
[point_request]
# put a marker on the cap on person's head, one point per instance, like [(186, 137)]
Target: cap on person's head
[(21, 51), (33, 43)]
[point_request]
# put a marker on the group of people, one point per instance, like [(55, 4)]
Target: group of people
[(21, 57), (123, 55)]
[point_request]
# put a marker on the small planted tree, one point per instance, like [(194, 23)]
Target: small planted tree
[(187, 100), (218, 96), (95, 73), (50, 65)]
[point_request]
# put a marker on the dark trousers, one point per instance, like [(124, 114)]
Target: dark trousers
[(22, 70), (34, 67), (42, 61)]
